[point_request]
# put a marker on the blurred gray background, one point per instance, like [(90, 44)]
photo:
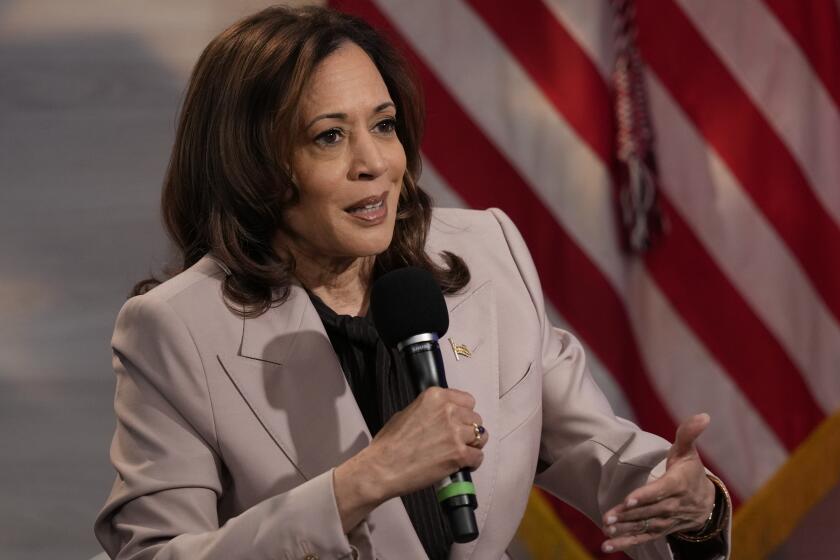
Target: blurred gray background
[(89, 92)]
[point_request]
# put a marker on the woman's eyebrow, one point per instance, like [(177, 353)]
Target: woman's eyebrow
[(343, 116), (382, 106)]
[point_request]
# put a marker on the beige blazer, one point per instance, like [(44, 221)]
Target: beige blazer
[(228, 429)]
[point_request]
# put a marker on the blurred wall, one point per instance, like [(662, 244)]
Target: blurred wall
[(89, 92)]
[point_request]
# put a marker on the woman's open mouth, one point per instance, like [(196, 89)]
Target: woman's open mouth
[(371, 210)]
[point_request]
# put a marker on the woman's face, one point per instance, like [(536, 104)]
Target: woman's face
[(348, 162)]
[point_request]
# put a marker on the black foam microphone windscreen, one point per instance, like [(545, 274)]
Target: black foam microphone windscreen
[(407, 302)]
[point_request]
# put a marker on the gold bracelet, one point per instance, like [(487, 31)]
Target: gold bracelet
[(722, 502)]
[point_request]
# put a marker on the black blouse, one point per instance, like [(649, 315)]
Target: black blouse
[(380, 383)]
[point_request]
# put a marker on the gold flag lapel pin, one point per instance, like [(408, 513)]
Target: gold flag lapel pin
[(460, 350)]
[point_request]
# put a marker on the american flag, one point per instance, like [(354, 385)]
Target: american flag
[(735, 310)]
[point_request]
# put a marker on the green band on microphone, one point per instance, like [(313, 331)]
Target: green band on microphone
[(455, 489)]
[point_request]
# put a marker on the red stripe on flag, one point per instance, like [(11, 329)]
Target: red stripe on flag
[(726, 324), (471, 164), (557, 63), (815, 26), (680, 265), (739, 133)]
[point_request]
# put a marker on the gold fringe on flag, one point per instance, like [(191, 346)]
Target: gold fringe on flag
[(544, 535), (769, 517)]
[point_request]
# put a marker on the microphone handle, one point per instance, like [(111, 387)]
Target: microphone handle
[(456, 492)]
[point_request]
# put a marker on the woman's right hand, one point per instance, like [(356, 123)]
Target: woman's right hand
[(430, 439)]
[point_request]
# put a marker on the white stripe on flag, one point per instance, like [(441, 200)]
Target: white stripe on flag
[(746, 247), (737, 440), (787, 92), (442, 194), (590, 23)]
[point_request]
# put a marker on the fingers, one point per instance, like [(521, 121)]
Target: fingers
[(471, 426), (455, 396), (457, 407), (430, 439), (623, 543), (645, 514), (687, 434), (465, 416), (661, 508), (464, 420), (650, 493), (457, 410), (670, 503), (468, 433), (656, 526), (624, 536), (626, 527), (470, 458), (462, 454)]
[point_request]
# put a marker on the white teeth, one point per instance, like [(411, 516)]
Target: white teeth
[(367, 207)]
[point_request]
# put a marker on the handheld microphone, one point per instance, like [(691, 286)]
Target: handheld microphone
[(410, 313)]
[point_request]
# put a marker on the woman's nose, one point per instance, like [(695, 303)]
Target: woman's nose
[(368, 160)]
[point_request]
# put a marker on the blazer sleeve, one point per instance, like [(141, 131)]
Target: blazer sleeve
[(589, 457), (170, 471)]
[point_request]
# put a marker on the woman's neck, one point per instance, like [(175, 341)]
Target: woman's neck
[(342, 283)]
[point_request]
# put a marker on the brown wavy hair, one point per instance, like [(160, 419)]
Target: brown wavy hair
[(229, 180)]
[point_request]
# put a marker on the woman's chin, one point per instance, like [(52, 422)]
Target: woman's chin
[(369, 241), (372, 247), (374, 250)]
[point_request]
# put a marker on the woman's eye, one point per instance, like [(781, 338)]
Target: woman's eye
[(386, 126), (329, 137)]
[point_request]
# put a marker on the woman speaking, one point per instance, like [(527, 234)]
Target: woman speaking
[(260, 414)]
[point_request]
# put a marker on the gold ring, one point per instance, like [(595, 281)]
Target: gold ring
[(478, 430), (644, 526)]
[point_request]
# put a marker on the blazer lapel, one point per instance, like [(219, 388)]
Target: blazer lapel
[(288, 373), (472, 330)]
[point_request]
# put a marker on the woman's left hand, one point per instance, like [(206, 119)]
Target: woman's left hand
[(681, 500)]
